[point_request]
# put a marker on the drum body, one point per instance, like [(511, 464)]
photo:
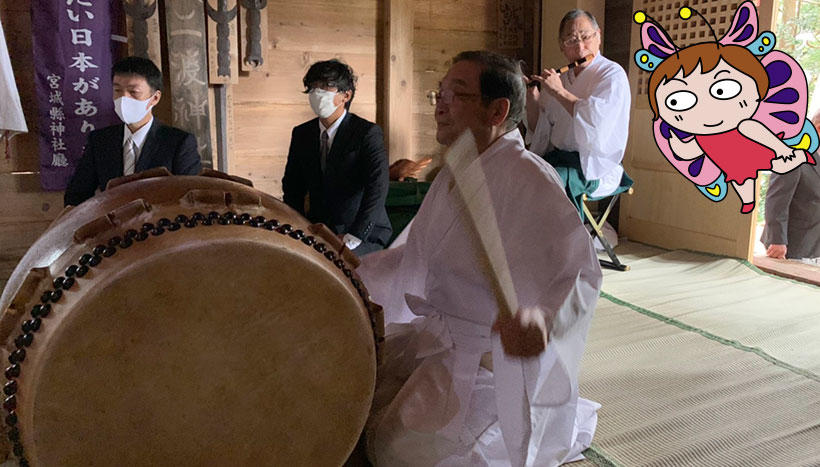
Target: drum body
[(186, 321)]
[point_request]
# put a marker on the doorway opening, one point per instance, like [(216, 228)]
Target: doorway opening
[(795, 26)]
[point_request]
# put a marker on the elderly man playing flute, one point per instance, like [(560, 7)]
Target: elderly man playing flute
[(579, 120)]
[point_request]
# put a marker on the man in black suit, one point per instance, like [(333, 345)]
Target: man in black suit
[(140, 143), (792, 227), (337, 171)]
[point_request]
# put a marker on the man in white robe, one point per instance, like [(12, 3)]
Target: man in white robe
[(458, 385), (583, 111)]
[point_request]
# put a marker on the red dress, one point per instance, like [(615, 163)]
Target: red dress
[(738, 156)]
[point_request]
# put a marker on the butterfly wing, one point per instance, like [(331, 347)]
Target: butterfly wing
[(701, 171), (783, 110), (743, 30), (807, 140)]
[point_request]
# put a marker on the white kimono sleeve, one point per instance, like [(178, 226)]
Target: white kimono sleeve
[(539, 138), (601, 124)]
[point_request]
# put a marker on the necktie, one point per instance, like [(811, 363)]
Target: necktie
[(323, 150), (129, 157)]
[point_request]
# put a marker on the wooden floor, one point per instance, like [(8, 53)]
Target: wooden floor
[(789, 269)]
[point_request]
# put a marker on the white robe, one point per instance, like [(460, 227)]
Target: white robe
[(12, 120), (598, 129), (434, 403)]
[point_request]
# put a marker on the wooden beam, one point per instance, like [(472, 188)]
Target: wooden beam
[(398, 121), (142, 19)]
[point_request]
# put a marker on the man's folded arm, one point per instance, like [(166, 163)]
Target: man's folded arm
[(294, 185), (84, 182), (376, 183), (187, 160)]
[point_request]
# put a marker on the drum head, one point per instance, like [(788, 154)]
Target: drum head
[(217, 350)]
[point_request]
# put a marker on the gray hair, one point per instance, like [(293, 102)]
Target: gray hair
[(573, 15), (500, 78)]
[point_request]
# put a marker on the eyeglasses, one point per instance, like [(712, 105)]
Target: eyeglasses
[(578, 37), (446, 96)]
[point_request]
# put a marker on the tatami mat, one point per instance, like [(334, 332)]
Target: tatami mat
[(703, 361)]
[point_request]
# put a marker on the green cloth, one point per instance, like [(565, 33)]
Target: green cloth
[(568, 166), (403, 201)]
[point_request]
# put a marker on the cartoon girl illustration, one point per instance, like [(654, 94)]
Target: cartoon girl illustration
[(720, 114)]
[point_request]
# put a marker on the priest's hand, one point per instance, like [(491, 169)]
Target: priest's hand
[(523, 335)]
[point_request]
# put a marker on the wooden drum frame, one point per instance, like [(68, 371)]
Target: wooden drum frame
[(187, 320)]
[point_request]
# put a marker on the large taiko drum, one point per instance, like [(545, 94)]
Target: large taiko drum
[(186, 321)]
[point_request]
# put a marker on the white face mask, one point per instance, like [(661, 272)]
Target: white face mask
[(321, 102), (131, 110)]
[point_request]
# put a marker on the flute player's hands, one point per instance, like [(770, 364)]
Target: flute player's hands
[(551, 82)]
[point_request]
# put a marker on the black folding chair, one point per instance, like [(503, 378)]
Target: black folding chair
[(597, 224)]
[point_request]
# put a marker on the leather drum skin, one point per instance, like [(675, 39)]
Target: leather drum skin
[(137, 334)]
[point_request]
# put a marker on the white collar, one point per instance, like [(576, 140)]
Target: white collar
[(138, 138), (572, 77), (510, 137), (331, 132)]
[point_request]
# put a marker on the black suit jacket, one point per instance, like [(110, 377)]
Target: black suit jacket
[(164, 146), (349, 197), (793, 211)]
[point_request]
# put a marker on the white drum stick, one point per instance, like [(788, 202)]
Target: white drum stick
[(470, 182)]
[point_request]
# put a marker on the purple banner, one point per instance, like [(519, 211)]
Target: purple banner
[(72, 66)]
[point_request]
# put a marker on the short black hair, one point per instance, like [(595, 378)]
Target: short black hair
[(500, 78), (331, 73), (140, 67)]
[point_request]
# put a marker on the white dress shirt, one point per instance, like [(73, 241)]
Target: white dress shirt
[(137, 139), (331, 132), (351, 241)]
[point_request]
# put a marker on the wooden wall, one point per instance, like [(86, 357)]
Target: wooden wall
[(25, 210), (442, 29), (266, 106)]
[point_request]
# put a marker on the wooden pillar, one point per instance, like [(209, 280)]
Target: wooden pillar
[(398, 90), (188, 70)]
